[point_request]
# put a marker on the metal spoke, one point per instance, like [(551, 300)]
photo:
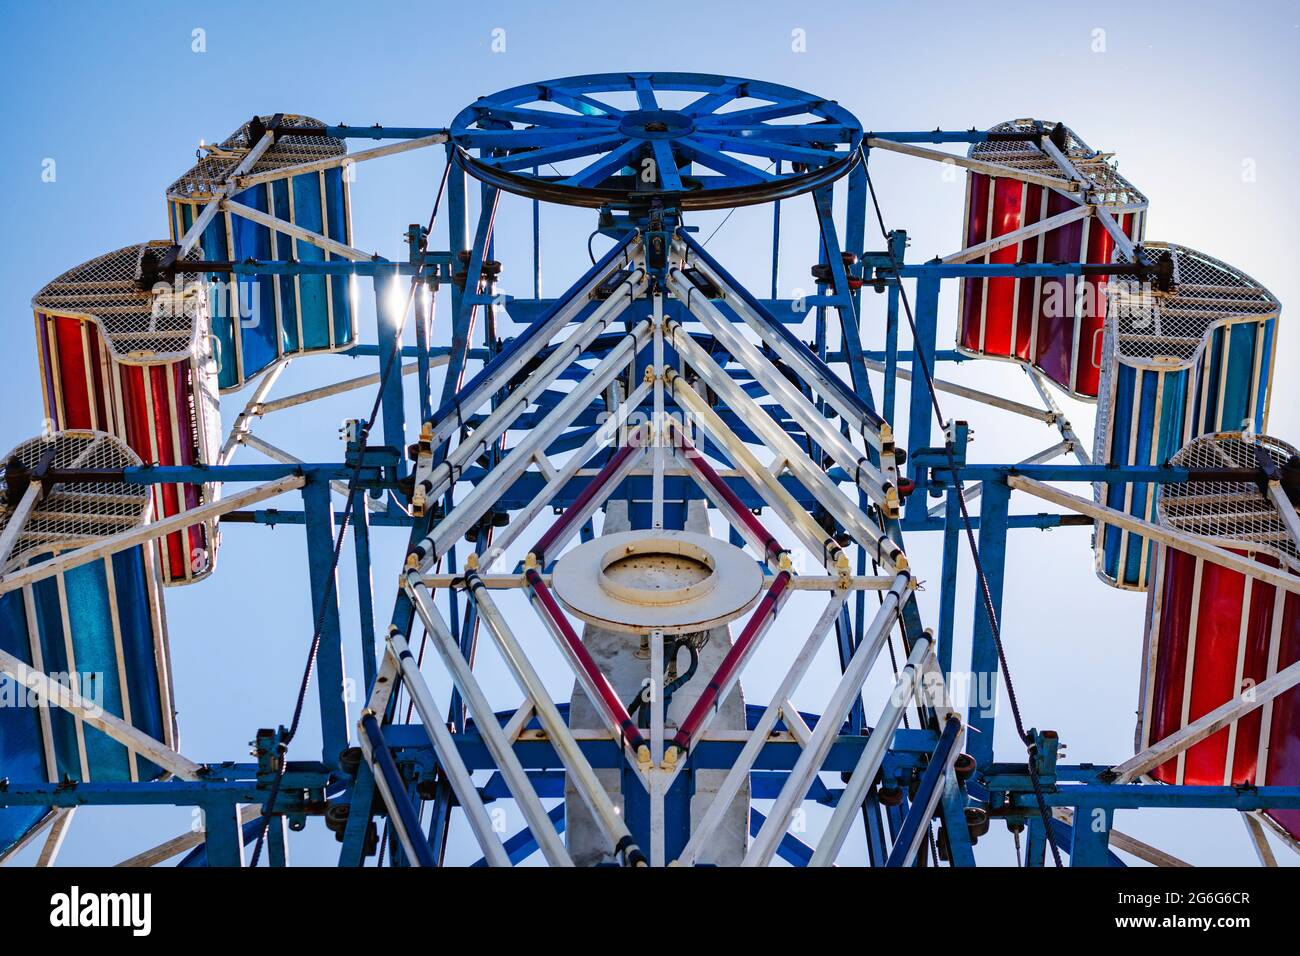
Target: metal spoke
[(580, 102), (603, 168), (555, 154), (518, 114), (519, 138), (645, 94), (761, 114), (753, 146), (734, 169), (669, 177), (800, 133), (709, 102)]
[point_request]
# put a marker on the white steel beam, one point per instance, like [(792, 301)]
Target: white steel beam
[(137, 536), (607, 433), (866, 475), (486, 493), (738, 775), (811, 758), (581, 774), (865, 532), (1157, 533), (873, 755), (195, 232), (1206, 725), (333, 246), (813, 535), (503, 754), (65, 698), (982, 249), (399, 659), (240, 427), (975, 165), (347, 159), (433, 479)]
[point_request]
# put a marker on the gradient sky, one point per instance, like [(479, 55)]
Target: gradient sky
[(1191, 97)]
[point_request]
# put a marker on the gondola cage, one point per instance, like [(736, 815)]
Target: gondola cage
[(97, 628), (1052, 323), (1176, 364), (129, 353), (259, 319), (1213, 632)]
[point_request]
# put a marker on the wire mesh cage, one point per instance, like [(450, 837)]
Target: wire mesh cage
[(258, 319), (1053, 323), (1214, 632), (96, 627), (1193, 359), (125, 351)]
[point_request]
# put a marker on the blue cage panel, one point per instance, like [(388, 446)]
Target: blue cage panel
[(259, 319), (1176, 365), (97, 628)]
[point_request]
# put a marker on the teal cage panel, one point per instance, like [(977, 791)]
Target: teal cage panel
[(257, 319), (97, 628), (1175, 365)]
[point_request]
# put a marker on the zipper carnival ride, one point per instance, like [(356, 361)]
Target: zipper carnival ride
[(619, 499)]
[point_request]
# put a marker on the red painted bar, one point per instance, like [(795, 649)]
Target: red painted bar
[(758, 622), (1213, 633), (697, 461), (583, 498), (608, 699), (137, 364)]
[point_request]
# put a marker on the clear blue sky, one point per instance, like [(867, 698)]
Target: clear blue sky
[(1184, 93)]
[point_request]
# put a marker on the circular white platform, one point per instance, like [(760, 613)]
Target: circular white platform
[(671, 581)]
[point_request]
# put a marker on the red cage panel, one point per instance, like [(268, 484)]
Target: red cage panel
[(1213, 633), (137, 364)]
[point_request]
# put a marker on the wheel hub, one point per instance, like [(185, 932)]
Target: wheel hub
[(656, 124)]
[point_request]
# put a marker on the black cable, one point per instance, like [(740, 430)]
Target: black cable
[(985, 593), (338, 538)]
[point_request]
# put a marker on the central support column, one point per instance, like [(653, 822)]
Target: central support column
[(627, 670)]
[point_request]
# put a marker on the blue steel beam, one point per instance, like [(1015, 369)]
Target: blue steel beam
[(331, 674), (984, 667)]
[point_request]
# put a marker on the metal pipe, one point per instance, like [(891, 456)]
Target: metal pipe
[(814, 479), (773, 550), (619, 464), (195, 232), (559, 479), (347, 159), (485, 719), (444, 745), (520, 350), (728, 671), (738, 775), (763, 480), (583, 777), (593, 679), (1206, 725), (485, 494), (49, 691), (917, 823), (18, 520), (828, 727), (137, 536), (873, 755), (401, 815), (240, 426), (1158, 533), (865, 474), (442, 475), (843, 399)]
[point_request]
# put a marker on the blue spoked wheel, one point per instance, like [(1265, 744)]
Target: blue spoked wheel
[(693, 140)]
